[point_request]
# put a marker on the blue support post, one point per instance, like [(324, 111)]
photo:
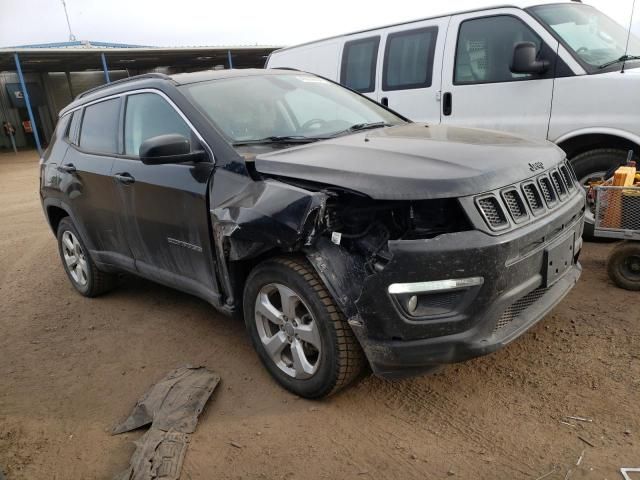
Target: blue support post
[(104, 67), (28, 103), (229, 58)]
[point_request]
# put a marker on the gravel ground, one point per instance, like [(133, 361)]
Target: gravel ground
[(72, 367)]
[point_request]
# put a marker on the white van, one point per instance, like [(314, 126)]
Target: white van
[(549, 70)]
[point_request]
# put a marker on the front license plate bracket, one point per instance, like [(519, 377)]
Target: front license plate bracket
[(559, 258)]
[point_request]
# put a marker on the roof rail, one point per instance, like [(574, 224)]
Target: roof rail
[(163, 76)]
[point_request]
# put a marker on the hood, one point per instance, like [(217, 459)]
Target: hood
[(415, 161)]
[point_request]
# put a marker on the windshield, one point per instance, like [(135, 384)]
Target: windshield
[(594, 37), (271, 106)]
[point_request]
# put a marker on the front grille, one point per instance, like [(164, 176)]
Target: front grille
[(533, 197), (515, 205), (518, 307), (547, 190), (567, 177), (558, 183), (492, 211)]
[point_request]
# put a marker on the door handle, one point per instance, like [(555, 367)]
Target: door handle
[(68, 168), (384, 101), (125, 178), (447, 104)]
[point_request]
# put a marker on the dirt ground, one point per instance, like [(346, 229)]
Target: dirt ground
[(71, 367)]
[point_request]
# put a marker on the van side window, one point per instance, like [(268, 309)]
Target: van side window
[(408, 59), (98, 133), (74, 127), (359, 59), (149, 115), (485, 49)]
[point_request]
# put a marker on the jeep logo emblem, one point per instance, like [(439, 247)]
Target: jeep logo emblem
[(536, 166)]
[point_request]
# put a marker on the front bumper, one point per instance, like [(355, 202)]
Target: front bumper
[(518, 289)]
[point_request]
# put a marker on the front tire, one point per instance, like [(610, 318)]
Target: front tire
[(83, 273), (592, 166), (301, 337)]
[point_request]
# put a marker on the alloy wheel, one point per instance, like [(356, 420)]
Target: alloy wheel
[(74, 258), (288, 331)]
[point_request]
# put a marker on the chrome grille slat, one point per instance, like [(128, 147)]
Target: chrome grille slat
[(567, 177)]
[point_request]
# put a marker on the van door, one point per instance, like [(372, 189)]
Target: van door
[(410, 77), (478, 87)]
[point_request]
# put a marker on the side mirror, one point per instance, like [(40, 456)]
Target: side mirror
[(171, 148), (525, 61)]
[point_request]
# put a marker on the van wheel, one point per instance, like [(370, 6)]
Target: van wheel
[(591, 166), (83, 273), (301, 337)]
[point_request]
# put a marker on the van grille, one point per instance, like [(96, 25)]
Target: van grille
[(492, 212)]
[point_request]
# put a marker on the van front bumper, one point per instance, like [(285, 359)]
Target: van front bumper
[(505, 284)]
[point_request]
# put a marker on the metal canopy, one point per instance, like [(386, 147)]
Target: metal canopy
[(63, 58)]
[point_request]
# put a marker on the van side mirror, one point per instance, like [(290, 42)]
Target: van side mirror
[(171, 148), (525, 61)]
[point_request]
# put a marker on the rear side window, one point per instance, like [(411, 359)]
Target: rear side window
[(485, 49), (149, 115), (408, 59), (98, 133), (74, 127), (358, 70)]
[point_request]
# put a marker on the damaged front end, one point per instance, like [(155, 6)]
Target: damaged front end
[(422, 282)]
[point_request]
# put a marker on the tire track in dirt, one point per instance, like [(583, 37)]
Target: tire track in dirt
[(418, 405)]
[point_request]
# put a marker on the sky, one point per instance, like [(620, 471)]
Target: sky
[(217, 22)]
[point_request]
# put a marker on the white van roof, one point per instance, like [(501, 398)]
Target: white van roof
[(522, 4)]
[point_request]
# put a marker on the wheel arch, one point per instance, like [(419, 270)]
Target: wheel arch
[(55, 212), (581, 141)]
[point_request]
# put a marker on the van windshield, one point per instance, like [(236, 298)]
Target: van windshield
[(291, 107), (595, 38)]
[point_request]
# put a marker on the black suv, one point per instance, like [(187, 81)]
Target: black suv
[(343, 233)]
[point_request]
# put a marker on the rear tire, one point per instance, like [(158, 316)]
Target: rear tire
[(592, 165), (623, 265), (330, 360), (83, 273)]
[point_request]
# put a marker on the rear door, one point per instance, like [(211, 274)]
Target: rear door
[(411, 63), (479, 89), (87, 182), (166, 207)]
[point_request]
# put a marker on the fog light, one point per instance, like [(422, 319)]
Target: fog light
[(412, 304)]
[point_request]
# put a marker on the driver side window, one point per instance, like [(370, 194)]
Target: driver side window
[(149, 115), (485, 49)]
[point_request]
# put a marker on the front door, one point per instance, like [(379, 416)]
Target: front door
[(478, 87), (166, 210)]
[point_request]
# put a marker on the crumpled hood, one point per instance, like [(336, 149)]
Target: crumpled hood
[(415, 161)]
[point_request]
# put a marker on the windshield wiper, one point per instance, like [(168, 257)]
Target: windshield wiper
[(367, 126), (276, 139), (624, 58)]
